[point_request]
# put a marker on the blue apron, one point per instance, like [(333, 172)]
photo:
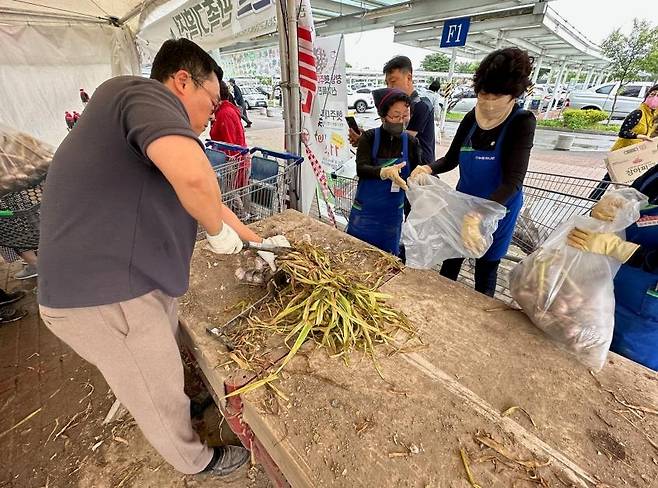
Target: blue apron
[(377, 212), (636, 298), (480, 174)]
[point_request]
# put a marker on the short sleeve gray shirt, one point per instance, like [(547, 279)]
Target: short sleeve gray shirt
[(112, 227)]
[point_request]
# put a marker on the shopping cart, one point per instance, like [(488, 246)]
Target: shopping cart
[(343, 190), (19, 218), (230, 163), (267, 185)]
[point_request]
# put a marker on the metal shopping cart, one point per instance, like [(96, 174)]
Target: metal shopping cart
[(264, 189), (19, 217)]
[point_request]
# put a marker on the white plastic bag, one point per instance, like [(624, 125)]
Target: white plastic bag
[(24, 160), (432, 232), (569, 293)]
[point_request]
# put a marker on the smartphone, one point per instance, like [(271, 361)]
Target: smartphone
[(351, 123)]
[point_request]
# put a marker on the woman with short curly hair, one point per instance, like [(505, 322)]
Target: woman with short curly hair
[(491, 148)]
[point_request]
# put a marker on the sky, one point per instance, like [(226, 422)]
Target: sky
[(594, 18)]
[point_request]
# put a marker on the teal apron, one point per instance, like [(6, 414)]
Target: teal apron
[(480, 174), (377, 212)]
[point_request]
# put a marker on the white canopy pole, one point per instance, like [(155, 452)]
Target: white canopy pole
[(556, 86)]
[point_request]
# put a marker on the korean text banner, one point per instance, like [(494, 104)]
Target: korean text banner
[(213, 23)]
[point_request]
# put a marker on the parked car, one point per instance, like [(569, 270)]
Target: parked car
[(601, 97), (359, 101), (252, 97), (464, 101)]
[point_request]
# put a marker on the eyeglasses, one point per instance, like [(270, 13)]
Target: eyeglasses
[(397, 118), (215, 101)]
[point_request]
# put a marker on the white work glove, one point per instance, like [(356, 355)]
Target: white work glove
[(226, 242), (472, 237), (419, 174), (606, 209), (269, 257), (393, 173)]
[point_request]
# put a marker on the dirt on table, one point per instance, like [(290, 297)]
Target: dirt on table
[(487, 391)]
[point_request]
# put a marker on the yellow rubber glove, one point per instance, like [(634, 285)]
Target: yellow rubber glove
[(606, 244), (470, 233), (419, 172), (606, 209), (393, 173)]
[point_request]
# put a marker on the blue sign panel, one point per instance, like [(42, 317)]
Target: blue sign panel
[(455, 32)]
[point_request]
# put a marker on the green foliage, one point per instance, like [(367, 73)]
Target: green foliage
[(628, 54), (466, 67), (650, 63), (582, 119), (435, 62)]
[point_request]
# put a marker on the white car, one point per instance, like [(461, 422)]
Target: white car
[(601, 97), (359, 101), (464, 101), (252, 97)]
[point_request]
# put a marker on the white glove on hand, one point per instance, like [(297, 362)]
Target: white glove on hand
[(269, 257), (226, 242), (419, 174)]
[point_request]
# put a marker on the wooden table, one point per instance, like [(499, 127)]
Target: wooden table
[(346, 426)]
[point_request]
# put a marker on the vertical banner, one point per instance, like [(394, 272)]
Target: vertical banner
[(312, 169)]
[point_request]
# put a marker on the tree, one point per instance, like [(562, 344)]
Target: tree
[(650, 64), (466, 67), (435, 62), (628, 53)]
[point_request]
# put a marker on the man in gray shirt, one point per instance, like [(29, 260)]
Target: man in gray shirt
[(124, 193)]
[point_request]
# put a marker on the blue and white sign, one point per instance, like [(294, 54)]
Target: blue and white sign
[(455, 32)]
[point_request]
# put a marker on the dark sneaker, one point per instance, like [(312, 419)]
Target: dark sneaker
[(227, 459), (9, 314), (7, 298), (26, 273)]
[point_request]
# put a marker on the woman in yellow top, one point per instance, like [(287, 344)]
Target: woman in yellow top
[(638, 126)]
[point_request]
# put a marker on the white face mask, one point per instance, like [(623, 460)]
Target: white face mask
[(490, 113)]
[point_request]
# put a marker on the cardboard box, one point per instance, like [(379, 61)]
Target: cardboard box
[(627, 164)]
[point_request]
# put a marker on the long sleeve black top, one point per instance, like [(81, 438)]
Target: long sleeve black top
[(389, 147), (631, 120), (515, 152)]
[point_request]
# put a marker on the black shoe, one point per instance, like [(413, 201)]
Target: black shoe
[(227, 459), (10, 314), (9, 298), (248, 124)]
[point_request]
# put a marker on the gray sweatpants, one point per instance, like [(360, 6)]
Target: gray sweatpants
[(134, 345)]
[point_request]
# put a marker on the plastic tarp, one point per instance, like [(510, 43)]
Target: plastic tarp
[(42, 68)]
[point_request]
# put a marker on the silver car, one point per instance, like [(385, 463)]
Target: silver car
[(602, 97)]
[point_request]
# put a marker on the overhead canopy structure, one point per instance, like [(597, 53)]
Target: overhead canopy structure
[(536, 28)]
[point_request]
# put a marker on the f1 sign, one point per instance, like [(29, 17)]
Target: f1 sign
[(455, 32)]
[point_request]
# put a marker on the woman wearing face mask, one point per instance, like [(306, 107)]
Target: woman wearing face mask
[(492, 148), (384, 158), (638, 126)]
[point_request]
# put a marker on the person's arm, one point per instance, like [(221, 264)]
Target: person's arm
[(364, 166), (515, 156), (184, 164), (422, 115), (451, 160), (631, 120), (645, 258)]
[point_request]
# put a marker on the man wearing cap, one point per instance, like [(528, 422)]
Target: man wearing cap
[(239, 101), (383, 160)]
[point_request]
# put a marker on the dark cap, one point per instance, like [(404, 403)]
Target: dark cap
[(385, 97)]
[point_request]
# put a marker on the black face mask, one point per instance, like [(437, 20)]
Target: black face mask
[(394, 128)]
